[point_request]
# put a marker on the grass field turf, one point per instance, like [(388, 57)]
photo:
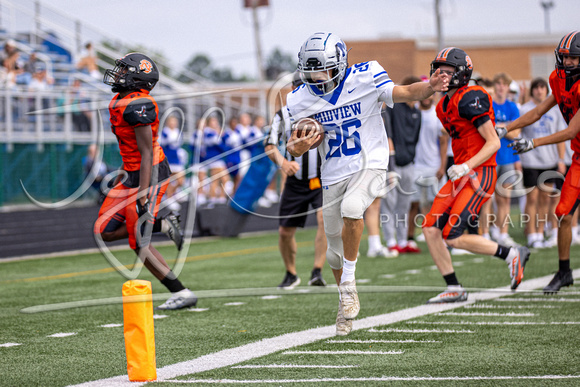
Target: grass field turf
[(95, 352)]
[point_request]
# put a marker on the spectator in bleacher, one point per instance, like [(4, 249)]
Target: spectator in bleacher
[(538, 161), (171, 141), (245, 130), (40, 81), (233, 142), (9, 57), (88, 63), (212, 146)]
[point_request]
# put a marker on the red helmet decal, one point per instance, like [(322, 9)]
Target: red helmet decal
[(146, 66)]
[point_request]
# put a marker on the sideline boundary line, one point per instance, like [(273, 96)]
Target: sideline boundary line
[(267, 346)]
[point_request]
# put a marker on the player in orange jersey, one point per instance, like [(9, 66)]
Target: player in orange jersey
[(131, 206), (467, 115), (565, 85)]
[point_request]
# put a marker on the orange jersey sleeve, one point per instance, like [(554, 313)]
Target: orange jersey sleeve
[(567, 94), (135, 109), (461, 115)]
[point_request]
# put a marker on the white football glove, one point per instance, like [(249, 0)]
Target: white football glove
[(501, 131), (522, 145), (457, 171)]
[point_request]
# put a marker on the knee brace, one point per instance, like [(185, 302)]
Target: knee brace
[(334, 252)]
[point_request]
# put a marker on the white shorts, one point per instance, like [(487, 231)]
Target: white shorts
[(351, 197)]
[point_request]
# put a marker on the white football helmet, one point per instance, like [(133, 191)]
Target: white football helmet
[(322, 62)]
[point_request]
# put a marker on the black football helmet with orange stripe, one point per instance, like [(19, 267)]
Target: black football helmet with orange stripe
[(134, 71), (456, 57), (569, 46)]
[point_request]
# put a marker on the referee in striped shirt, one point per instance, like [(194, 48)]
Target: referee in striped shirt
[(301, 191)]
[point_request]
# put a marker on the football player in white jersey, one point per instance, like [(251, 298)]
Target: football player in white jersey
[(347, 101)]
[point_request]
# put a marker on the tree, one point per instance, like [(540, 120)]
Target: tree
[(278, 63)]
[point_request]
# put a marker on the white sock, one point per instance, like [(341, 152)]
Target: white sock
[(486, 235), (403, 243), (575, 232), (391, 243), (503, 235), (348, 269), (374, 242)]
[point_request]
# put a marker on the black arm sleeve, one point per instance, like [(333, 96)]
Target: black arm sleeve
[(475, 106), (140, 112)]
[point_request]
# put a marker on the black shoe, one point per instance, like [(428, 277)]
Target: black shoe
[(316, 278), (290, 282), (561, 279), (174, 232)]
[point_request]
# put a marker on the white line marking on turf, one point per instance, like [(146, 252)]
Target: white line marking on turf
[(234, 303), (63, 334), (486, 314), (496, 322), (159, 316), (397, 330), (388, 276), (271, 297), (111, 325), (478, 260), (363, 281), (413, 271), (197, 309), (295, 366), (6, 345), (540, 299), (266, 346), (380, 379), (348, 352), (381, 341), (490, 306)]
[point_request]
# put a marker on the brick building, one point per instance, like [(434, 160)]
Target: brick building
[(523, 57)]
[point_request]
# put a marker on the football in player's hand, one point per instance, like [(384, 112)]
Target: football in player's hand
[(305, 126)]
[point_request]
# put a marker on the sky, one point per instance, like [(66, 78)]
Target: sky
[(222, 29)]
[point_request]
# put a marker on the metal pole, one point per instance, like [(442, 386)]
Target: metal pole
[(438, 25), (259, 57)]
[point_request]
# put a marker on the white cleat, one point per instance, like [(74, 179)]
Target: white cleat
[(349, 299), (453, 293), (179, 300), (343, 326)]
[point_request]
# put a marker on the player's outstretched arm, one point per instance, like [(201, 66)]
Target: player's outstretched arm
[(564, 135), (533, 115), (421, 90)]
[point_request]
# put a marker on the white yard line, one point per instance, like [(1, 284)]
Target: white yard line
[(231, 356), (491, 306), (111, 325), (380, 379), (67, 334), (6, 345), (486, 314), (397, 330), (540, 299), (496, 322), (294, 366), (347, 352), (381, 341)]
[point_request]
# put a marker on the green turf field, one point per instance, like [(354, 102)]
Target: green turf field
[(522, 337)]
